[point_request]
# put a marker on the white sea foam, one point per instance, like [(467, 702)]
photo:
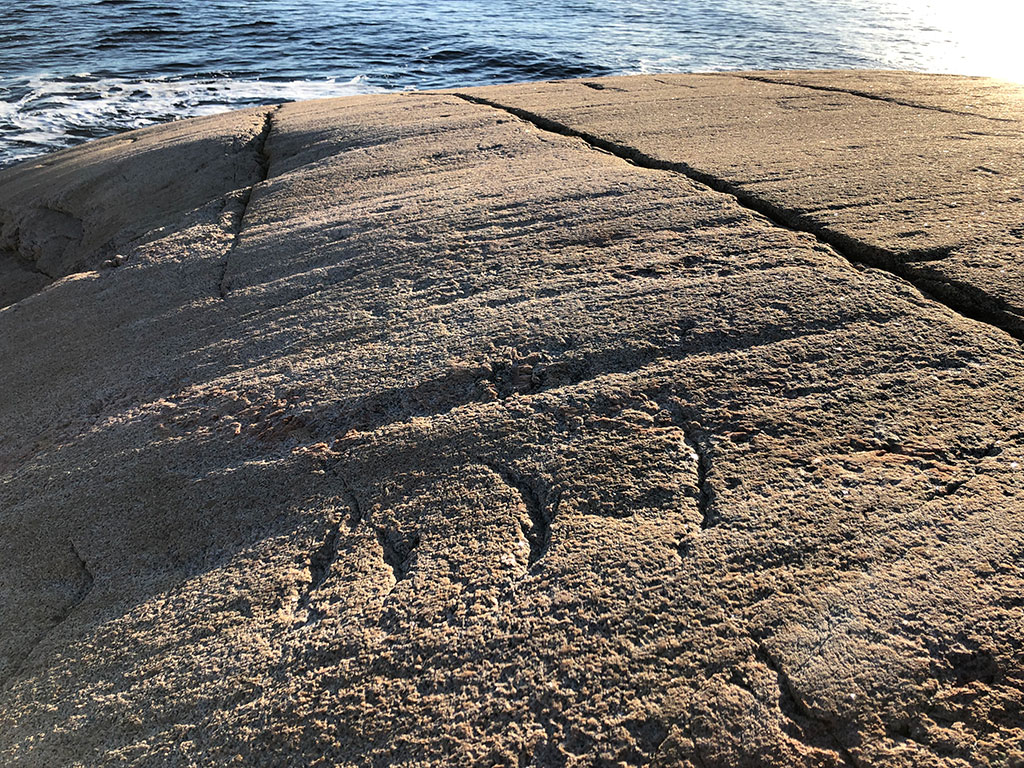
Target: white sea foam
[(44, 113)]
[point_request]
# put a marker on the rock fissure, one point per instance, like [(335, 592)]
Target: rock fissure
[(355, 507), (698, 440), (322, 559), (356, 516), (673, 85), (538, 506), (87, 580), (965, 299), (923, 255), (705, 491), (398, 552), (601, 87), (320, 563), (871, 96), (90, 578), (793, 704), (263, 160), (35, 268)]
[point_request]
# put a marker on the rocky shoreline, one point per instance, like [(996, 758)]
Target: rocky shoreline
[(665, 421)]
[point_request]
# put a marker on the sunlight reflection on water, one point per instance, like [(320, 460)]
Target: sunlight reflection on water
[(76, 69)]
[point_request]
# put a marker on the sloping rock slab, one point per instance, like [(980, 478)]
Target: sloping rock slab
[(416, 432)]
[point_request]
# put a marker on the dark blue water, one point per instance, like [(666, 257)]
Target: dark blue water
[(76, 69)]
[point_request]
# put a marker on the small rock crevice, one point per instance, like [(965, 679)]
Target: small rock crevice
[(263, 162), (925, 255), (705, 491), (320, 564), (355, 516), (699, 441), (674, 85), (799, 714), (602, 87), (323, 558), (398, 551), (83, 584), (538, 506), (963, 298)]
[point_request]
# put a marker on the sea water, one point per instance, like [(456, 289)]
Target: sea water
[(71, 70)]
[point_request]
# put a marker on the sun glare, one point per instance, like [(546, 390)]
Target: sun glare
[(976, 38)]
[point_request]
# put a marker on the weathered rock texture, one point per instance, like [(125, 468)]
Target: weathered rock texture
[(409, 430), (926, 182)]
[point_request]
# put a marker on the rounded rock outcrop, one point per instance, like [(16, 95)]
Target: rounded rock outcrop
[(675, 422)]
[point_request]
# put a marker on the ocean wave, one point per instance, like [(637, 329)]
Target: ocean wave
[(44, 113)]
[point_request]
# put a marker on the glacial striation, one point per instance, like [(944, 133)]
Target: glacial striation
[(663, 421)]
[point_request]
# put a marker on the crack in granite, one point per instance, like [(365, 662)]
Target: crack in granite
[(871, 96), (964, 299), (83, 591), (263, 161)]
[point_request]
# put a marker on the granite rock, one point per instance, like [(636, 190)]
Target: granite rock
[(593, 423)]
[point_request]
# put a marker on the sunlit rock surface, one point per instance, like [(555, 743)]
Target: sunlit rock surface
[(571, 424)]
